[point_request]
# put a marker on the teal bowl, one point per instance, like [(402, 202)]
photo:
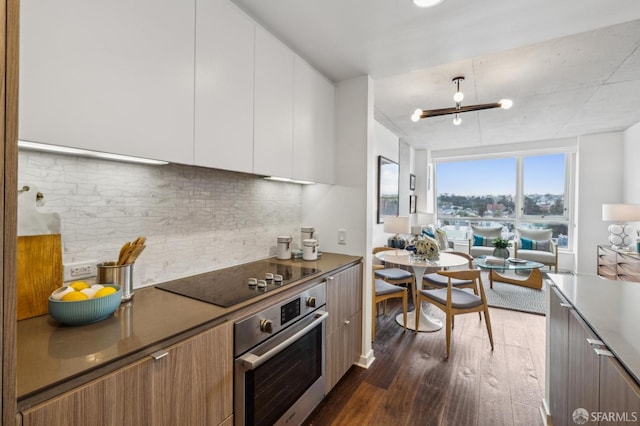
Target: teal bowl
[(82, 312)]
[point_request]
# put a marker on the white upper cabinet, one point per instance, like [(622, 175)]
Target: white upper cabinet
[(273, 107), (224, 87), (313, 118), (114, 76)]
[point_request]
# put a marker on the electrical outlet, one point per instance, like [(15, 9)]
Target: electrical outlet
[(79, 270)]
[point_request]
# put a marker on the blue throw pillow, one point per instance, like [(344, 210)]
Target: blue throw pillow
[(527, 244), (482, 241), (428, 233)]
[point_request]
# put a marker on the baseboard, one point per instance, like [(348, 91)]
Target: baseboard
[(365, 361), (544, 412)]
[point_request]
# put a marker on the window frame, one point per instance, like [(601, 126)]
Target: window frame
[(569, 189)]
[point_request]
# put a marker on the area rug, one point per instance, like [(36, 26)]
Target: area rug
[(515, 297)]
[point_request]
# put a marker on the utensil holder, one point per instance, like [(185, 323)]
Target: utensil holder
[(122, 275)]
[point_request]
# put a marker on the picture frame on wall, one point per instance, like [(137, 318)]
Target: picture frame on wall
[(412, 203), (412, 182)]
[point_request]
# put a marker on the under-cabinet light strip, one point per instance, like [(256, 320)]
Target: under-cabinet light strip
[(86, 153)]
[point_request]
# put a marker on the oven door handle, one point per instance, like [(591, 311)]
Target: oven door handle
[(251, 361)]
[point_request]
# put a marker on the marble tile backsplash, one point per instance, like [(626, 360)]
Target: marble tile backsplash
[(195, 219)]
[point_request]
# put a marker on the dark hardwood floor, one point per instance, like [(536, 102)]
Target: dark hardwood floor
[(411, 383)]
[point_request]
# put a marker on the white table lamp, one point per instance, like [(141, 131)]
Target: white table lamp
[(621, 236), (396, 225)]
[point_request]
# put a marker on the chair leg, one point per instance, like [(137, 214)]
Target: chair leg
[(404, 310), (487, 321), (475, 291), (449, 322)]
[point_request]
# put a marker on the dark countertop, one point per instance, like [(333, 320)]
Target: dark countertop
[(611, 310), (52, 358)]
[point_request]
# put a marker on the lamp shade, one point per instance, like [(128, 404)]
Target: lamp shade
[(621, 212), (426, 219), (397, 224)]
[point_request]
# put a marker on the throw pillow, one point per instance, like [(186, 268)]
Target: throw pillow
[(527, 244), (443, 241), (428, 233), (481, 241)]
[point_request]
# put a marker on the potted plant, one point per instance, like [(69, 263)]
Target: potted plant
[(501, 247)]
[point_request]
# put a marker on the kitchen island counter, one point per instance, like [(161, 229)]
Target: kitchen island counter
[(610, 308), (53, 358)]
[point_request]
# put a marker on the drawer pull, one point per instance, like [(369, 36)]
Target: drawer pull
[(347, 322), (330, 278), (566, 305), (595, 342), (603, 352), (159, 354)]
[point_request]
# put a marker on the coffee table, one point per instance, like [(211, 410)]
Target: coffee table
[(533, 280), (403, 257)]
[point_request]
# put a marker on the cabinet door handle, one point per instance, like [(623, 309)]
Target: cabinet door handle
[(330, 278), (595, 342), (347, 322), (566, 305), (159, 354), (602, 352)]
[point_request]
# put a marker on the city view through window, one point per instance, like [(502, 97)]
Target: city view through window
[(486, 192)]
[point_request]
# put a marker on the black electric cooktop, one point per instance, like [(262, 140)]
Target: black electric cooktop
[(230, 286)]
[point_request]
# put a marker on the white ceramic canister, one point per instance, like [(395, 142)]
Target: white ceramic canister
[(283, 247), (310, 249), (307, 233)]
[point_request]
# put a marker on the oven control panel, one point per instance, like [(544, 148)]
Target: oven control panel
[(255, 329)]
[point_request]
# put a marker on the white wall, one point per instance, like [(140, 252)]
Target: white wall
[(631, 183), (386, 144), (343, 205), (347, 204), (599, 181)]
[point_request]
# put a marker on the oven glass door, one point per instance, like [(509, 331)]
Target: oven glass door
[(274, 386)]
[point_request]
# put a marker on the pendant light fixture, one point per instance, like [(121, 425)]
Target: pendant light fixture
[(458, 97), (426, 3)]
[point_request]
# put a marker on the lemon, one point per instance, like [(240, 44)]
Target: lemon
[(74, 296), (79, 285), (105, 291)]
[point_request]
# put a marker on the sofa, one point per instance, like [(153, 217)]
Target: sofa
[(536, 245)]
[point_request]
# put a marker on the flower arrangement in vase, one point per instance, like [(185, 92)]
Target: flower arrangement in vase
[(426, 248), (501, 247)]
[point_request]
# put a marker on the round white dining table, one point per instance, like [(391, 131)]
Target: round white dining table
[(404, 257)]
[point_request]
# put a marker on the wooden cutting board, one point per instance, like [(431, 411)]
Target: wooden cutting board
[(39, 273)]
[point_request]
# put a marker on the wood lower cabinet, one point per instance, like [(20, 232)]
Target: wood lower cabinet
[(584, 374), (558, 357), (618, 392), (344, 325), (123, 397), (191, 385), (616, 265)]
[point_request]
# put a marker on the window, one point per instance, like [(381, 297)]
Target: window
[(524, 191)]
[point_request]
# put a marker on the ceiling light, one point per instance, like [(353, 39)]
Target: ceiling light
[(458, 109), (35, 146), (505, 103), (426, 3)]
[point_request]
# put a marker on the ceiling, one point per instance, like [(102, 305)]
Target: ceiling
[(571, 67)]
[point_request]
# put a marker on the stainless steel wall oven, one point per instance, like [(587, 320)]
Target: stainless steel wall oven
[(280, 360)]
